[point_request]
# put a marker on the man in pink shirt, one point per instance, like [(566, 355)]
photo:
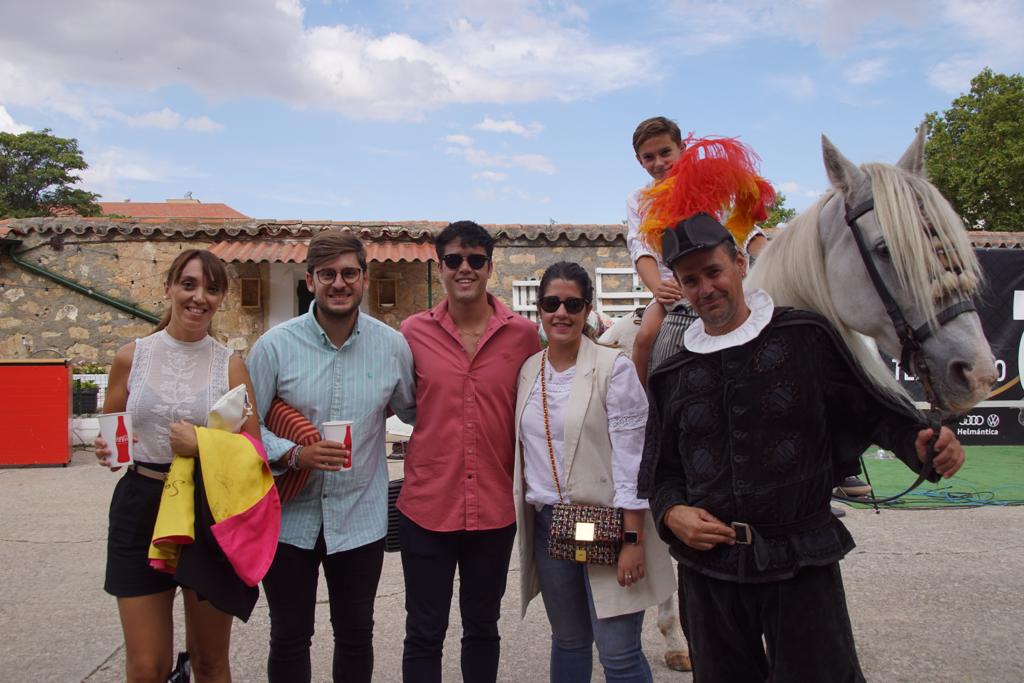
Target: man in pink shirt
[(456, 505)]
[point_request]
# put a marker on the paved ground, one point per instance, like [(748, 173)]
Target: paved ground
[(934, 596)]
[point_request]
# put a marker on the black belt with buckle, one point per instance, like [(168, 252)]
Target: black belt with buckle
[(752, 534)]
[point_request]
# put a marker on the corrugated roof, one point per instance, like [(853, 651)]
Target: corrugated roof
[(259, 251), (171, 210), (401, 251), (280, 251)]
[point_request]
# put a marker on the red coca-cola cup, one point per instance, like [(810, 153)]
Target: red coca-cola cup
[(116, 430), (340, 431)]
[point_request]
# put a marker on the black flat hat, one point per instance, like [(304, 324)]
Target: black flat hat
[(700, 231)]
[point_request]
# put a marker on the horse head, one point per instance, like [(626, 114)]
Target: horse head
[(917, 300)]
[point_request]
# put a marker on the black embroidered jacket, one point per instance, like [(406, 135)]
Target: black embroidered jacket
[(761, 433)]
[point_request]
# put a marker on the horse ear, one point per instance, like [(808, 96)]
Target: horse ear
[(842, 173), (912, 160)]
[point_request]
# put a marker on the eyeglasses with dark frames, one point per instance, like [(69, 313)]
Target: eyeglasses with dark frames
[(349, 276), (454, 261), (573, 305)]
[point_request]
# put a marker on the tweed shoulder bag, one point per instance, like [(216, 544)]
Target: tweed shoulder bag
[(578, 533)]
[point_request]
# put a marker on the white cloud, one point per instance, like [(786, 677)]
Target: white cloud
[(988, 34), (509, 126), (490, 176), (793, 190), (166, 118), (508, 193), (203, 124), (866, 71), (509, 52), (9, 125), (463, 140), (114, 170), (478, 157), (797, 87)]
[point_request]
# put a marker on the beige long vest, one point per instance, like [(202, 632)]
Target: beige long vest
[(587, 460)]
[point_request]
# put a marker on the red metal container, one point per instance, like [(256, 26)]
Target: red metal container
[(35, 419)]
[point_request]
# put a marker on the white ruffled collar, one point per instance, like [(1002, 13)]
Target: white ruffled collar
[(761, 307)]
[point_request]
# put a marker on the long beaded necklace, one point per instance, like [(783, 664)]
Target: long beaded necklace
[(547, 421)]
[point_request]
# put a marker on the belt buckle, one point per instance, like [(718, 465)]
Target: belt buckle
[(744, 535)]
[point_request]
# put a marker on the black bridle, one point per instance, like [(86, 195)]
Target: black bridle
[(911, 344)]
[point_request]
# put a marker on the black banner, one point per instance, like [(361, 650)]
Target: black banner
[(998, 420)]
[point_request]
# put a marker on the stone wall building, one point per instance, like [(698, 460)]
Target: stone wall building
[(79, 288)]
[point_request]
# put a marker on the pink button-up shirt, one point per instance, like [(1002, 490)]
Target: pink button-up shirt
[(458, 468)]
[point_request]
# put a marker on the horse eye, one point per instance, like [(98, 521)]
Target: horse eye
[(882, 249)]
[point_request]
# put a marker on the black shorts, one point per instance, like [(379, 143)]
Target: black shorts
[(133, 510)]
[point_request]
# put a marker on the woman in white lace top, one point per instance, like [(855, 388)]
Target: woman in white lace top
[(580, 416), (168, 381)]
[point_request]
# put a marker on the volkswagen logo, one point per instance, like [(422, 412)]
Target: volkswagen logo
[(993, 420)]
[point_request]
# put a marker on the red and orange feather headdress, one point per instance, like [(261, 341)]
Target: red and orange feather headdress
[(717, 176)]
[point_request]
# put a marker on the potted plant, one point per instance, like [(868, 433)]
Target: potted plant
[(83, 396)]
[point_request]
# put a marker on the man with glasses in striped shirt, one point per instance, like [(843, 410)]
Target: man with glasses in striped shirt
[(332, 363)]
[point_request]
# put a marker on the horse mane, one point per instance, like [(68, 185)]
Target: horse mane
[(792, 268)]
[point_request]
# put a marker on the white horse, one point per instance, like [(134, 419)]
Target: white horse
[(920, 249)]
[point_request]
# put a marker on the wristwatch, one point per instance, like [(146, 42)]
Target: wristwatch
[(632, 537)]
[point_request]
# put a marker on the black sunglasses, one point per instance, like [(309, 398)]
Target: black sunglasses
[(454, 261), (573, 305)]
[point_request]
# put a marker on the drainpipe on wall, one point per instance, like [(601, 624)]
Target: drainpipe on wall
[(430, 285), (124, 306)]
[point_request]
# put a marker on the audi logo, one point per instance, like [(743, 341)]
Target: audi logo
[(972, 421)]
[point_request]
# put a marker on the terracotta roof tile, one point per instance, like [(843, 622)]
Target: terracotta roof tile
[(281, 251), (170, 210), (369, 231)]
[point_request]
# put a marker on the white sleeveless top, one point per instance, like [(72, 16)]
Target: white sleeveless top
[(172, 380)]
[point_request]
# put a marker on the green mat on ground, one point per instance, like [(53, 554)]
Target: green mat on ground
[(991, 475)]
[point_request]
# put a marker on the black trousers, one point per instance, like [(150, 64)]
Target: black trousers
[(429, 559), (803, 620), (290, 585)]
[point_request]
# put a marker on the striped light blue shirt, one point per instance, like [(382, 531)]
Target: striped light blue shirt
[(371, 371)]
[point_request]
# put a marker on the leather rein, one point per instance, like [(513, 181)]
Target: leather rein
[(911, 345)]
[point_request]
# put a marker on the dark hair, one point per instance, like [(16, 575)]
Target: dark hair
[(214, 272), (658, 125), (730, 249), (469, 233), (329, 244), (572, 272)]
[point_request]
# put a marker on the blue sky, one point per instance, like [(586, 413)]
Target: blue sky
[(501, 112)]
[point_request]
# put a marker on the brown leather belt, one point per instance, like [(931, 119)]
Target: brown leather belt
[(148, 472)]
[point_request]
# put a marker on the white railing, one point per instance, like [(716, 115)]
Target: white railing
[(524, 298), (616, 303)]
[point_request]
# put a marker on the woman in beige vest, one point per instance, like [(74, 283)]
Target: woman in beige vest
[(581, 412)]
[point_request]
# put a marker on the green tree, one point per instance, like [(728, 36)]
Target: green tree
[(37, 172), (779, 213), (975, 152)]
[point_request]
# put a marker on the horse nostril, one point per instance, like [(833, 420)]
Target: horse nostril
[(960, 373)]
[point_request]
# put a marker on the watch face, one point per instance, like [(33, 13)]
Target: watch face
[(631, 537)]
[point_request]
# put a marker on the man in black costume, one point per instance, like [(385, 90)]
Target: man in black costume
[(751, 427)]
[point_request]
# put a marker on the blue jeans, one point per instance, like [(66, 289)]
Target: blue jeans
[(575, 628)]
